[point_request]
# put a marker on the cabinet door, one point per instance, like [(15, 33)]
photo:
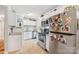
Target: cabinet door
[(14, 43), (11, 18)]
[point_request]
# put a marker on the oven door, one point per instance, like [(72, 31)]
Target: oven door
[(42, 40)]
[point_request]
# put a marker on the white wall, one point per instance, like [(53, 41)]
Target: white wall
[(2, 17), (1, 29)]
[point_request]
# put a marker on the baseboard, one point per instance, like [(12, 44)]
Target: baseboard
[(13, 52)]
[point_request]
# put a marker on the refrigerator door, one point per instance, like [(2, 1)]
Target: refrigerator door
[(70, 45), (69, 22), (64, 22), (65, 45)]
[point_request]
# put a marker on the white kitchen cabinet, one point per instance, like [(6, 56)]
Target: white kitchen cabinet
[(11, 18), (14, 43), (27, 35)]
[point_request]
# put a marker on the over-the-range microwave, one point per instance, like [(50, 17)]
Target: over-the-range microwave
[(45, 30), (45, 23)]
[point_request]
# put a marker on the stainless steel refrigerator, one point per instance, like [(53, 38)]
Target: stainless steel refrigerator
[(63, 28)]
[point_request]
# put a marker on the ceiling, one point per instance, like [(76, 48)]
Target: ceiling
[(34, 9)]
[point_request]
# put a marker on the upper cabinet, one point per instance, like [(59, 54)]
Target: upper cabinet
[(11, 18)]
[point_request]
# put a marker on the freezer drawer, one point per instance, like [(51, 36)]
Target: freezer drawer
[(63, 47)]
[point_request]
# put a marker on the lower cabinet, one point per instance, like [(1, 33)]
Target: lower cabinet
[(14, 43)]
